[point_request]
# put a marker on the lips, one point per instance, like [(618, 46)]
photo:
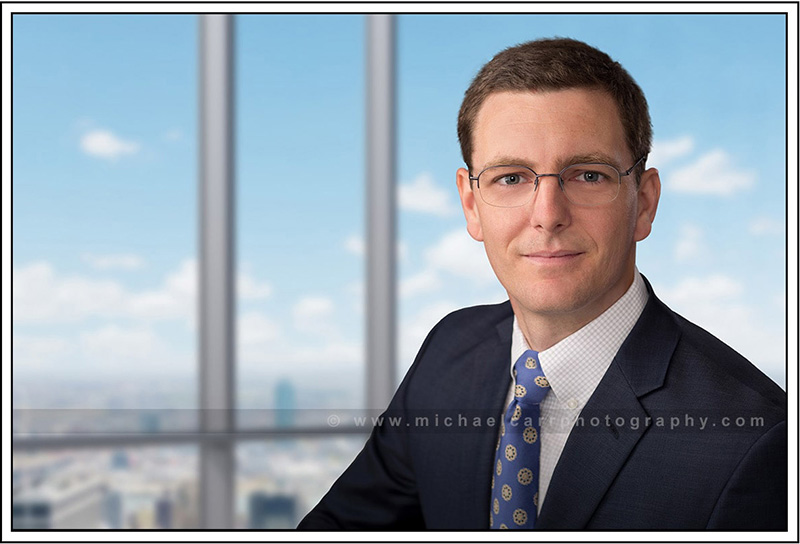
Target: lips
[(555, 260), (564, 253)]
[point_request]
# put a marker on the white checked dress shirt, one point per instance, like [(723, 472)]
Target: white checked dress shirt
[(574, 367)]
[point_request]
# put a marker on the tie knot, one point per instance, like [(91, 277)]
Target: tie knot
[(531, 385)]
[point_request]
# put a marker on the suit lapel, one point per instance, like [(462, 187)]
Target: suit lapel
[(488, 387), (596, 451), (593, 455)]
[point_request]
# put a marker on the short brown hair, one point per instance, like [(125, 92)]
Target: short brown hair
[(556, 64)]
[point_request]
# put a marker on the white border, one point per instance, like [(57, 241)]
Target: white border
[(400, 7), (791, 9)]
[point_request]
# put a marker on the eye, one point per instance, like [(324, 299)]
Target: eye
[(590, 176), (586, 174), (507, 177)]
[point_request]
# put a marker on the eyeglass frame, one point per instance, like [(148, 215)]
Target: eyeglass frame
[(627, 172)]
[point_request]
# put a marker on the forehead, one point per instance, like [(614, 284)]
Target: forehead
[(548, 126)]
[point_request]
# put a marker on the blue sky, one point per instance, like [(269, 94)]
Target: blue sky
[(105, 200)]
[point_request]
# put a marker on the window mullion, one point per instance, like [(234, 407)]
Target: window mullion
[(216, 271), (381, 255)]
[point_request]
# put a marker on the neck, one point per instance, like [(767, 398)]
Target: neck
[(543, 330)]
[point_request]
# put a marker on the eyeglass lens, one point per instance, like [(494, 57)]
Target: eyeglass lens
[(584, 184)]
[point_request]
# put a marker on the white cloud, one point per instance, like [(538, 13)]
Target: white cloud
[(119, 350), (41, 295), (666, 151), (454, 257), (176, 298), (39, 352), (133, 337), (402, 251), (425, 196), (173, 135), (313, 307), (314, 315), (716, 303), (251, 289), (690, 243), (184, 280), (106, 145), (355, 244), (112, 343), (265, 347), (425, 281), (256, 329), (765, 226), (336, 351), (301, 359), (122, 261), (459, 255), (714, 174), (711, 289)]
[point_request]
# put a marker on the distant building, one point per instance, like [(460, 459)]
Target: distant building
[(164, 508), (285, 404), (113, 510), (76, 501), (119, 460), (150, 421), (142, 519), (186, 506), (272, 511)]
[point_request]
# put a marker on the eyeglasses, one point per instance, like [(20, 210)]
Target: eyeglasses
[(587, 184)]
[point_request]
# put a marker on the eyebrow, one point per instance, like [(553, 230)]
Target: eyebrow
[(594, 157)]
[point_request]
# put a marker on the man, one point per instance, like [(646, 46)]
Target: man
[(583, 402)]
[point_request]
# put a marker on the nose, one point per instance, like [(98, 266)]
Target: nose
[(549, 208)]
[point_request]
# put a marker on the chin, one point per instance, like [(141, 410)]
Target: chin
[(550, 299)]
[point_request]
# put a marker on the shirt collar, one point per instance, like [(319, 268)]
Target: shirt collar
[(575, 365)]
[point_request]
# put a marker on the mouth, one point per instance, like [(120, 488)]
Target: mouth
[(554, 257)]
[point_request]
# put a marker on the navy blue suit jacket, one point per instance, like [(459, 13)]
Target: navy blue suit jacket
[(613, 473)]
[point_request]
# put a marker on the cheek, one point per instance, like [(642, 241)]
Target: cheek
[(502, 228), (498, 239), (614, 235)]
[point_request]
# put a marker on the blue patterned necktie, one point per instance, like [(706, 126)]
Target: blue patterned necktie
[(515, 480)]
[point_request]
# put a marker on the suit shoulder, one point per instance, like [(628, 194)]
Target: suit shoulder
[(462, 330), (699, 345), (475, 317)]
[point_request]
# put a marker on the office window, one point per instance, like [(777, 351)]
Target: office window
[(104, 201), (279, 481), (104, 256), (299, 279), (106, 488), (300, 202)]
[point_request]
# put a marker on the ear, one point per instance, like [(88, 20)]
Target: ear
[(469, 204), (647, 197)]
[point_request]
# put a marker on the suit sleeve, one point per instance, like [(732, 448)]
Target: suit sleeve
[(378, 490), (756, 496)]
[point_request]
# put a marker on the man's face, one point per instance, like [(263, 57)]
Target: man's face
[(557, 259)]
